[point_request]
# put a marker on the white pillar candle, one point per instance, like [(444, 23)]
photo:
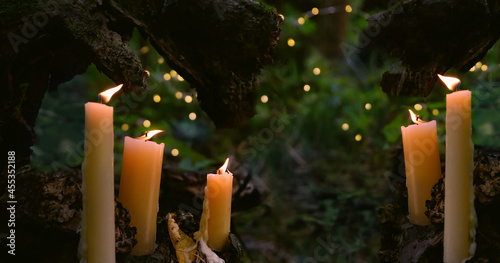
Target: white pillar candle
[(460, 220), (97, 236)]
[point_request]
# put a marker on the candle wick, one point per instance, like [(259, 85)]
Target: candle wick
[(418, 118), (99, 98)]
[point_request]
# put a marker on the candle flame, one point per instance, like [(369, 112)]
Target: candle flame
[(223, 168), (450, 82), (106, 95), (148, 135), (415, 118)]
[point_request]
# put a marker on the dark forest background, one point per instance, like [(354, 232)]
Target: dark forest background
[(324, 147)]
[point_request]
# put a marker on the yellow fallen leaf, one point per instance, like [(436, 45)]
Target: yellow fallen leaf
[(185, 247)]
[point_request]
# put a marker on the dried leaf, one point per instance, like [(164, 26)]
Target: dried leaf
[(183, 244)]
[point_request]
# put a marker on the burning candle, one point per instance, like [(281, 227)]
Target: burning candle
[(140, 188), (97, 236), (422, 165), (460, 220), (216, 217)]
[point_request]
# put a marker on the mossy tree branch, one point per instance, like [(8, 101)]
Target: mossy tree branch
[(430, 37)]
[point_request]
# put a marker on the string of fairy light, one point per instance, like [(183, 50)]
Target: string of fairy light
[(168, 76), (173, 75), (316, 70), (479, 66)]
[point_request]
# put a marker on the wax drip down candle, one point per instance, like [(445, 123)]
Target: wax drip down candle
[(97, 235), (216, 217), (422, 165), (140, 188), (460, 219)]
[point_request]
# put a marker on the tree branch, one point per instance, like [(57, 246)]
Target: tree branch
[(430, 37), (218, 46), (220, 53)]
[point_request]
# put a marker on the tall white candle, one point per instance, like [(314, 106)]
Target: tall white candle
[(460, 220), (97, 236)]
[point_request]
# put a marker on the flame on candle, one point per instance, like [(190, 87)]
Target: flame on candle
[(106, 95), (148, 135), (415, 118), (223, 168), (450, 82)]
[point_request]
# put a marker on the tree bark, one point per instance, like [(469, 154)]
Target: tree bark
[(218, 46), (403, 242), (429, 37)]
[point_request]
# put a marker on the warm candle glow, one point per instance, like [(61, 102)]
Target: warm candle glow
[(415, 118), (106, 95), (460, 219), (222, 169), (97, 235), (422, 165), (215, 223), (148, 135), (140, 188), (450, 82)]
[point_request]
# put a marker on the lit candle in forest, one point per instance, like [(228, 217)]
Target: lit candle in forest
[(459, 214), (216, 217), (140, 188), (422, 165), (97, 236)]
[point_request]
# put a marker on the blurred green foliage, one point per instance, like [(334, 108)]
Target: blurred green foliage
[(324, 167)]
